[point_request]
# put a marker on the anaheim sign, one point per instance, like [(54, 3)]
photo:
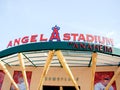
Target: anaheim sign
[(69, 37)]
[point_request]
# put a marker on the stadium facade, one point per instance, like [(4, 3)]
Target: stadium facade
[(59, 65)]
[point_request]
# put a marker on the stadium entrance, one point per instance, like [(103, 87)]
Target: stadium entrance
[(59, 88)]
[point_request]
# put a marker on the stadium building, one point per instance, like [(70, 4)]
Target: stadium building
[(59, 65)]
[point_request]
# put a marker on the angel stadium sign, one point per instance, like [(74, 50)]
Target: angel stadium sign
[(74, 40)]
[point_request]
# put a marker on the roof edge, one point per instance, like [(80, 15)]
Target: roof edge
[(56, 46)]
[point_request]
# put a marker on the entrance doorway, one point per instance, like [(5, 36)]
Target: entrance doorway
[(58, 88), (69, 88), (51, 88)]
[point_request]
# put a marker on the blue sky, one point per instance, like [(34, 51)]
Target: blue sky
[(26, 17)]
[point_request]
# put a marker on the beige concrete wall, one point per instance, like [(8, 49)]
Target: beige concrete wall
[(58, 77)]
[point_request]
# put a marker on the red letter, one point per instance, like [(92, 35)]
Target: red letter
[(16, 41), (89, 46), (110, 49), (66, 36), (89, 38), (109, 41), (55, 35), (82, 45), (95, 37), (25, 39), (112, 42), (74, 36), (9, 44), (96, 47), (33, 38), (42, 39), (101, 48), (101, 41), (81, 37), (75, 45)]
